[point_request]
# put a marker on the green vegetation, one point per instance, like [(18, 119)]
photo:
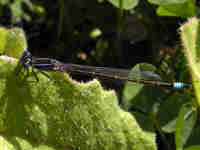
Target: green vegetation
[(64, 113), (60, 113)]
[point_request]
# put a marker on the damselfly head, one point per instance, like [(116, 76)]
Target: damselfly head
[(26, 59)]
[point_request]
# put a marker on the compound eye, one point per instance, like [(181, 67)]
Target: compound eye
[(28, 62), (26, 54)]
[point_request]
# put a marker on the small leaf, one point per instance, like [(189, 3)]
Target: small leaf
[(126, 4), (3, 39), (140, 95), (167, 117), (95, 33), (184, 125), (16, 42), (195, 136), (194, 147), (165, 2), (4, 2), (177, 9)]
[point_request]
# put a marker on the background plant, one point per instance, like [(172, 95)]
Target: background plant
[(120, 34)]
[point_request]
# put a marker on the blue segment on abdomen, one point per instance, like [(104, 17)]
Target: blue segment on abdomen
[(178, 85)]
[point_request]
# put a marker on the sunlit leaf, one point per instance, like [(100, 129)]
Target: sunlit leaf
[(165, 2), (126, 4), (177, 9), (195, 147), (66, 112), (186, 120)]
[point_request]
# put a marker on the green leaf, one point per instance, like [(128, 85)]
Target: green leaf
[(139, 99), (18, 12), (166, 2), (3, 35), (16, 143), (194, 138), (194, 147), (126, 4), (95, 33), (4, 2), (185, 123), (168, 117), (63, 112), (177, 9), (190, 39), (15, 42), (139, 95)]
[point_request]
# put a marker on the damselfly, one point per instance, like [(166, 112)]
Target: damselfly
[(142, 77)]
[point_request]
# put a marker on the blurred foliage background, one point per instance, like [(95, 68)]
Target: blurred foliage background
[(113, 33), (110, 33), (103, 33)]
